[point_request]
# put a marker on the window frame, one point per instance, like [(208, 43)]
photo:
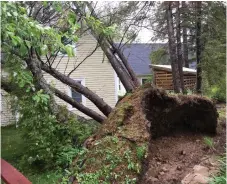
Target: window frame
[(70, 93), (143, 78)]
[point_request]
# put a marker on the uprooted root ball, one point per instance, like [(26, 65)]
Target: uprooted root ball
[(168, 113)]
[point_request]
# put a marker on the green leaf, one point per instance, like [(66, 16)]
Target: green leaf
[(44, 49), (69, 50), (45, 3), (23, 50), (28, 43)]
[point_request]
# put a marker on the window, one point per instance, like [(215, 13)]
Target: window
[(144, 81), (78, 97), (119, 84)]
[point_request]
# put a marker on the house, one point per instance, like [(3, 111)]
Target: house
[(162, 77), (95, 72)]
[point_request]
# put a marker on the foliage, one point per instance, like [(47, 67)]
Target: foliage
[(221, 177), (14, 147), (107, 157), (22, 33), (214, 52), (49, 142), (159, 56), (218, 93), (141, 151)]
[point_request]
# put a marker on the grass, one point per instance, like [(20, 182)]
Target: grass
[(13, 147), (221, 177)]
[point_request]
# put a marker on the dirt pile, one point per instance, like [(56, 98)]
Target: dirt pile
[(123, 149)]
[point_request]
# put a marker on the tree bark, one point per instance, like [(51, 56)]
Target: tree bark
[(100, 104), (34, 66), (198, 46), (79, 106), (179, 48), (172, 49), (127, 66), (185, 36)]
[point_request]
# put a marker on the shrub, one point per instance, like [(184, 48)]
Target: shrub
[(50, 143), (218, 93)]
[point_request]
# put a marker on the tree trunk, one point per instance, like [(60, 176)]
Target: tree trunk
[(100, 104), (127, 66), (89, 112), (34, 66), (185, 36), (179, 49), (172, 49), (198, 46)]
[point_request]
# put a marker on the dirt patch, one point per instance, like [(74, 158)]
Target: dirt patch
[(173, 157)]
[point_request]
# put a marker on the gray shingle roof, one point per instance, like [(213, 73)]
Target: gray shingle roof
[(138, 56)]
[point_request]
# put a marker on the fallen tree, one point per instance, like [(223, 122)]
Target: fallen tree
[(117, 151)]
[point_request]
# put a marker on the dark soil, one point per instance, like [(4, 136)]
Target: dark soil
[(172, 157)]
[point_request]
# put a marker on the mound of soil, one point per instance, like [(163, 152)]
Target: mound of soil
[(124, 150)]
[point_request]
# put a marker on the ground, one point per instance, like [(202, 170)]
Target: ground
[(172, 157), (12, 149)]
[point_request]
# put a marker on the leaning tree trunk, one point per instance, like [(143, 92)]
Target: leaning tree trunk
[(89, 112), (198, 46), (179, 49), (99, 102), (185, 36), (172, 49)]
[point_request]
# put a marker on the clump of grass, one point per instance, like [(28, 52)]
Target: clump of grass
[(141, 151), (209, 142), (221, 177)]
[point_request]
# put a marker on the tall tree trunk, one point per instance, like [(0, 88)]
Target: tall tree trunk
[(172, 49), (126, 64), (100, 104), (185, 36), (179, 49), (198, 46)]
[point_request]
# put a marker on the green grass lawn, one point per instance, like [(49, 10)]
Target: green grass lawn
[(12, 149)]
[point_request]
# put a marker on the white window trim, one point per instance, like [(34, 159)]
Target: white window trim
[(141, 79), (116, 81), (70, 93)]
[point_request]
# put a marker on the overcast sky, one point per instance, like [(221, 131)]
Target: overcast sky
[(144, 36)]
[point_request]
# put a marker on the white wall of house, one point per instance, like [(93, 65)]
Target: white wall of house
[(6, 114)]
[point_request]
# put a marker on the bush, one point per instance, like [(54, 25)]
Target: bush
[(218, 93), (50, 143)]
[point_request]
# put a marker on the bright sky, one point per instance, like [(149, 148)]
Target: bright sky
[(144, 35)]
